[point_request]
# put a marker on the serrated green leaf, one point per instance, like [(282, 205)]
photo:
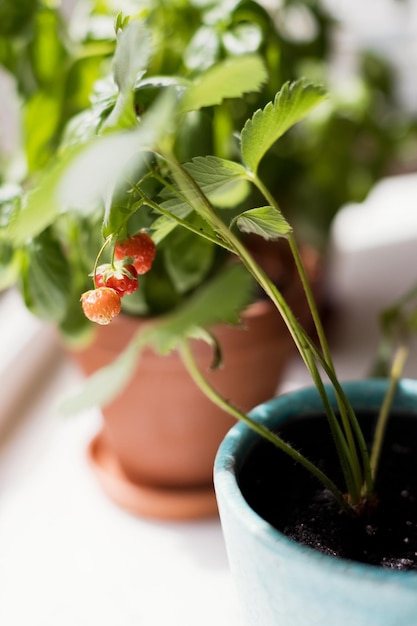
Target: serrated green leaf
[(223, 181), (264, 221), (228, 79), (291, 104), (211, 173), (215, 177)]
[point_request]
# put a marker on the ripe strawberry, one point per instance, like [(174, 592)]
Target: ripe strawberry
[(101, 305), (122, 278), (139, 249)]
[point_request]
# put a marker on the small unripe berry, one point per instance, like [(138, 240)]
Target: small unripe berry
[(101, 305)]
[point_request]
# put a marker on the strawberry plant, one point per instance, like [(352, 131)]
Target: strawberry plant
[(228, 59), (132, 170)]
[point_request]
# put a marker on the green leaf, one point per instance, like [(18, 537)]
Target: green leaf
[(45, 278), (130, 61), (223, 182), (264, 221), (132, 54), (95, 171), (159, 293), (220, 300), (9, 265), (41, 118), (41, 205), (15, 16), (47, 49), (163, 226), (228, 79), (266, 126), (88, 173), (212, 173), (123, 115), (188, 258)]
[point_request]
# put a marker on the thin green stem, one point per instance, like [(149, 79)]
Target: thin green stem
[(396, 372), (346, 413), (100, 252), (352, 480), (197, 198), (184, 224), (302, 274), (195, 373)]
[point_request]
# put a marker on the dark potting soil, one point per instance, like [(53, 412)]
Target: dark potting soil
[(294, 502)]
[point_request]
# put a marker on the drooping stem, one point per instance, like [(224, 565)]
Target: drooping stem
[(200, 380)]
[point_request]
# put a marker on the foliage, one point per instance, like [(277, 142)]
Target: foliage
[(133, 171), (224, 60)]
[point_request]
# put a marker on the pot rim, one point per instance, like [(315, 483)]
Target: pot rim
[(240, 439)]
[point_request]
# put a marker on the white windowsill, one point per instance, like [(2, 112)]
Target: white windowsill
[(28, 346)]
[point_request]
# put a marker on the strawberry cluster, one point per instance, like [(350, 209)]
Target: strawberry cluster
[(133, 256)]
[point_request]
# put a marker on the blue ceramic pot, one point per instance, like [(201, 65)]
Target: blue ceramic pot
[(279, 581)]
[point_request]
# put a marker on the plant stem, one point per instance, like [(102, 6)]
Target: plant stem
[(209, 391), (396, 372), (100, 252), (184, 224), (354, 476), (347, 415)]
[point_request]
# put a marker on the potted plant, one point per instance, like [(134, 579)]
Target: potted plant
[(60, 254), (183, 194), (57, 222), (324, 430)]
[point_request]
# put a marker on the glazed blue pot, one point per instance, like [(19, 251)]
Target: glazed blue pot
[(279, 581)]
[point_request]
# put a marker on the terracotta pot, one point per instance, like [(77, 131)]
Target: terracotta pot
[(156, 450)]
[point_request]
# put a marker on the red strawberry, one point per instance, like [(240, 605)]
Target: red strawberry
[(122, 278), (139, 249), (101, 305)]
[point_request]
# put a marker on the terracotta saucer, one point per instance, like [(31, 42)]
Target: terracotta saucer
[(147, 500)]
